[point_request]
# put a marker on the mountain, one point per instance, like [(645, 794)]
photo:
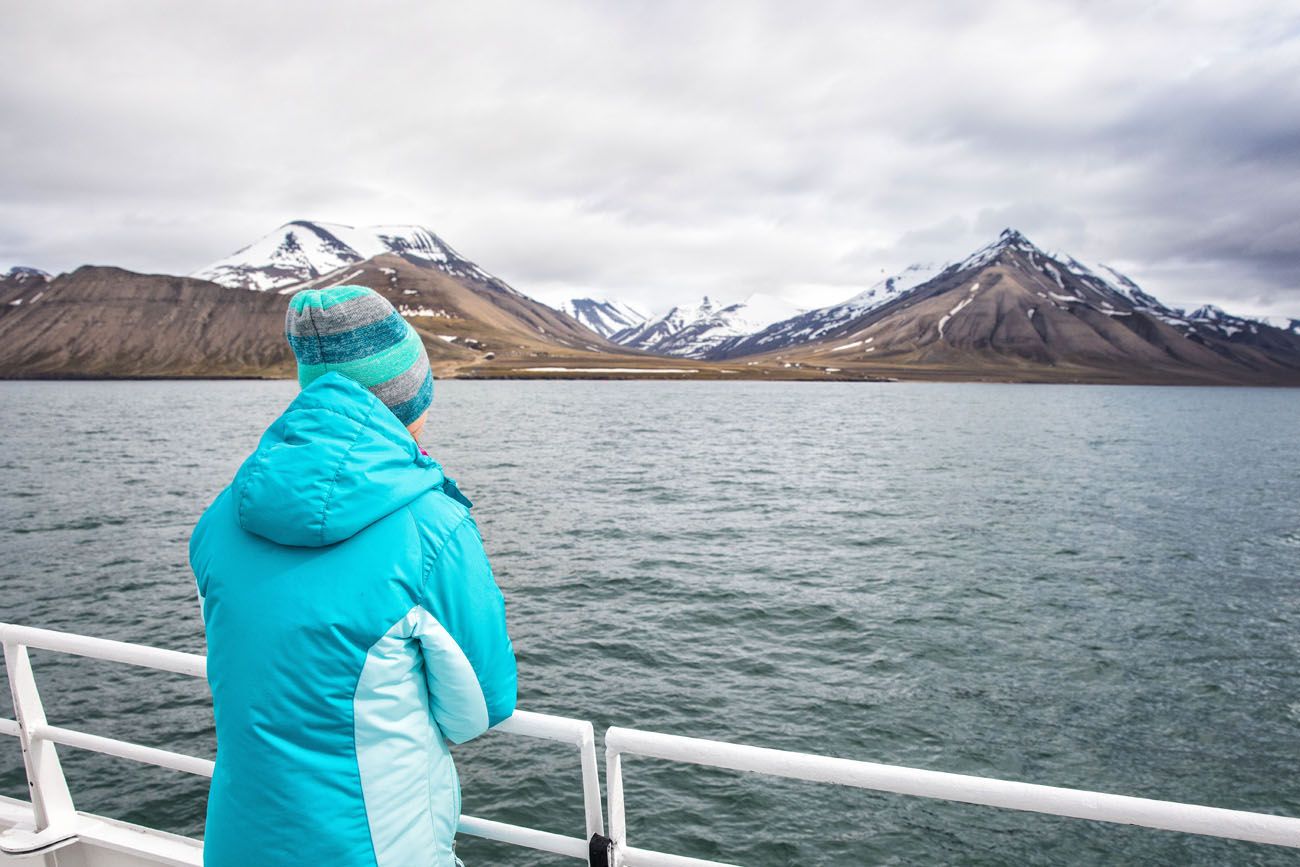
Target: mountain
[(305, 250), (464, 317), (809, 326), (1012, 311), (110, 322), (1009, 311), (603, 317), (107, 322), (706, 330)]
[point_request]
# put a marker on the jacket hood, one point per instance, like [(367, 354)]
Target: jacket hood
[(335, 462)]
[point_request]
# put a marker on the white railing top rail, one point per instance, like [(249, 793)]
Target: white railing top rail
[(58, 823), (1073, 803), (48, 785), (192, 664)]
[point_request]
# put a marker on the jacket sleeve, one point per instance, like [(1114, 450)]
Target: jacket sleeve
[(469, 661)]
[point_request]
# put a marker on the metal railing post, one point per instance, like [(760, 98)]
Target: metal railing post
[(51, 800), (614, 793), (590, 781)]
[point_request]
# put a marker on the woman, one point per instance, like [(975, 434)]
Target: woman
[(353, 623)]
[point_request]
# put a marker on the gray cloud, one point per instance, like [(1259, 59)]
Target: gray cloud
[(657, 151)]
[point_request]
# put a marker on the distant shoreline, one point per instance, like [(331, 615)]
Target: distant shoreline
[(704, 376)]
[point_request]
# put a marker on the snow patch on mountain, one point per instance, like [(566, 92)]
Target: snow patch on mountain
[(24, 274), (705, 329), (1282, 323), (606, 318), (304, 250), (650, 334), (753, 314)]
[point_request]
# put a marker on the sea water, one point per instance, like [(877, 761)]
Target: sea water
[(1094, 587)]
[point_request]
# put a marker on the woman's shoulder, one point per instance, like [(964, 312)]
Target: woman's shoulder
[(437, 513)]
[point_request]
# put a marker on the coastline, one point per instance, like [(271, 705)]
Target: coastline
[(702, 373)]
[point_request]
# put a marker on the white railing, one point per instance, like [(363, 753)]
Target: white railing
[(59, 824), (1073, 803)]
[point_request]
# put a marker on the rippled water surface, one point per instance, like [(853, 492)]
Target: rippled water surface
[(1082, 586)]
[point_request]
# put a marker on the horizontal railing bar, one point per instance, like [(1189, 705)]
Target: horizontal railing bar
[(1030, 797), (516, 835), (543, 725), (10, 727), (634, 857), (125, 750), (529, 723), (175, 661)]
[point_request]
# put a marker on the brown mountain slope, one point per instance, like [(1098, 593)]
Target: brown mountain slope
[(107, 322), (1012, 312), (464, 319)]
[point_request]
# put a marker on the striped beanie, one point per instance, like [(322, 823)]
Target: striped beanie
[(354, 331)]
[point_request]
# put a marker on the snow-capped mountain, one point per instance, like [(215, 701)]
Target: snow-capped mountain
[(827, 321), (1011, 304), (304, 250), (708, 329), (653, 332), (603, 317), (812, 325)]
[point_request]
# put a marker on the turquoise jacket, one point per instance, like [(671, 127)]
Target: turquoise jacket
[(354, 628)]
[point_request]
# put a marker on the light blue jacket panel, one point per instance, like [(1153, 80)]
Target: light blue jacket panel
[(354, 627)]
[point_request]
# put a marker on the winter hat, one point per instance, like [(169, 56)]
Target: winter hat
[(355, 331)]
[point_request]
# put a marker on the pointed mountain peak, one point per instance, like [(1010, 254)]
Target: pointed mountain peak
[(1207, 312), (1007, 241), (603, 316), (1014, 239)]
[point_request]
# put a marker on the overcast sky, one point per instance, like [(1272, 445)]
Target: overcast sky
[(657, 151)]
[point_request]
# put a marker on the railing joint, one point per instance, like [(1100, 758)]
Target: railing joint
[(600, 851)]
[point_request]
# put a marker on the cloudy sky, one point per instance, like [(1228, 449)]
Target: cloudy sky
[(657, 151)]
